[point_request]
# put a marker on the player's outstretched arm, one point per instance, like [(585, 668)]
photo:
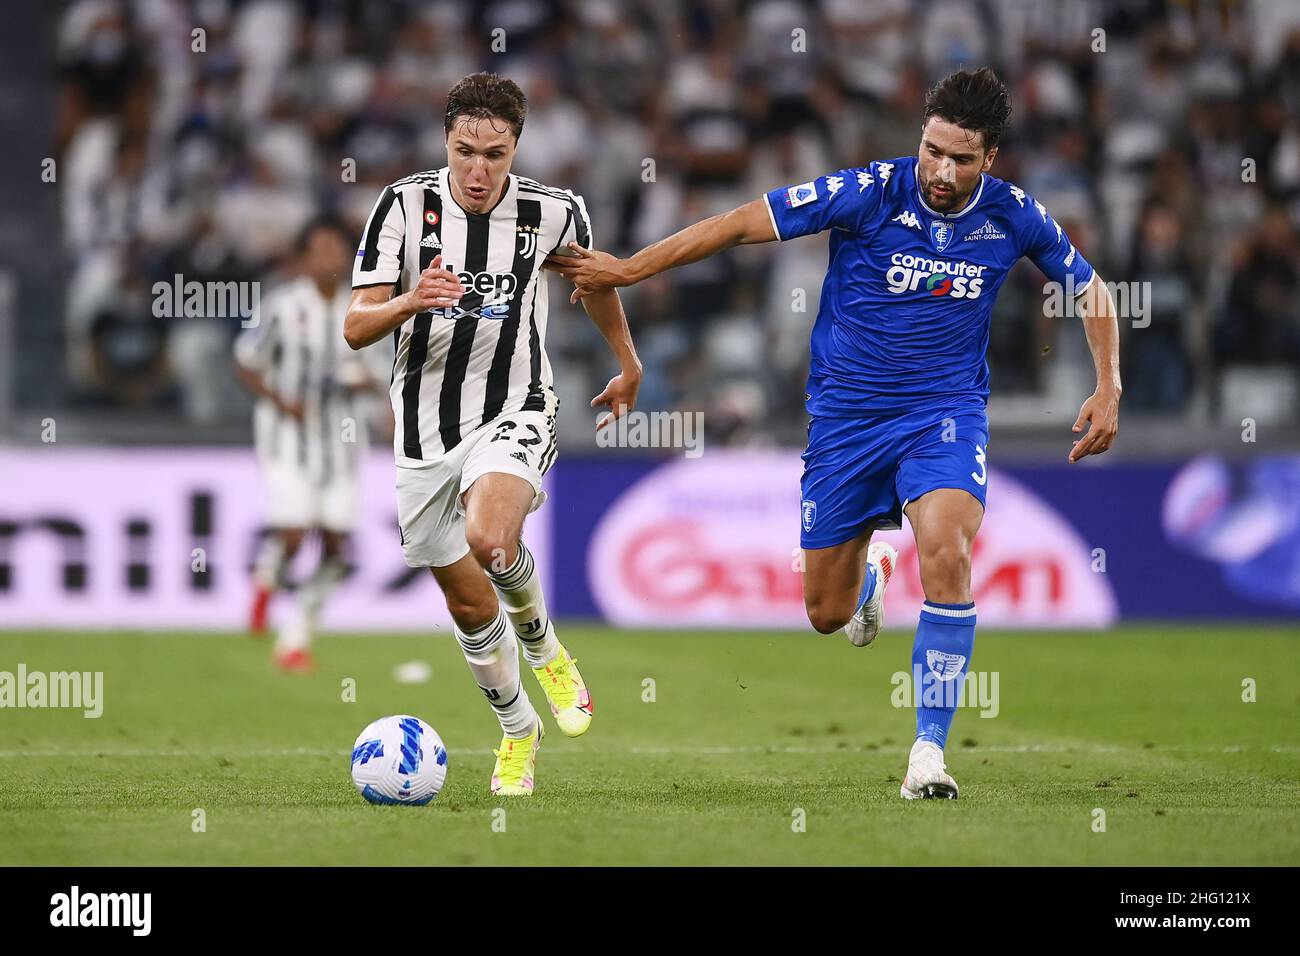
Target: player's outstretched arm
[(606, 313), (257, 385), (1101, 411), (591, 270), (374, 311)]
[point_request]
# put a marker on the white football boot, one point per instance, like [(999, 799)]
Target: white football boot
[(866, 623), (927, 775)]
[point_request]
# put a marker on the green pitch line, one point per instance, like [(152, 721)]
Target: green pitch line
[(745, 730)]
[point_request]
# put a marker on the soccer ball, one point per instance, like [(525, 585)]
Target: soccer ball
[(399, 760)]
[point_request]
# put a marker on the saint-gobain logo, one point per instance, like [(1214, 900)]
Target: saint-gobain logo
[(809, 515)]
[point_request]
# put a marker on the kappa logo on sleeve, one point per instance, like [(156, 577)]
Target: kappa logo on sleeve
[(800, 195)]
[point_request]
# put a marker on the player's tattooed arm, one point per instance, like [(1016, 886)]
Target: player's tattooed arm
[(1101, 410), (591, 270), (606, 313), (374, 311)]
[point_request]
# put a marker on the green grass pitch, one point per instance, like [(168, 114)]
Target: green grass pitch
[(745, 730)]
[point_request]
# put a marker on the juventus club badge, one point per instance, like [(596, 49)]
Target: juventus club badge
[(527, 241)]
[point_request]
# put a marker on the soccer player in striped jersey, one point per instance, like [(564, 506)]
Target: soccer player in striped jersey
[(899, 381), (309, 429), (450, 265)]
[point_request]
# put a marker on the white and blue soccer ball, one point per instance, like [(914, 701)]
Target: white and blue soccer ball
[(399, 760)]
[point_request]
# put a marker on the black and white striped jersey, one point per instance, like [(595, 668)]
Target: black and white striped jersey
[(297, 347), (458, 368)]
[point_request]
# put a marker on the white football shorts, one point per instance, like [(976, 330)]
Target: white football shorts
[(430, 507), (297, 500)]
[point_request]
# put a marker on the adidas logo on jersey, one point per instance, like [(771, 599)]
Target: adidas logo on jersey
[(908, 218), (985, 231), (431, 241)]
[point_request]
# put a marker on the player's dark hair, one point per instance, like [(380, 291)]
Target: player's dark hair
[(975, 100), (328, 221), (486, 95)]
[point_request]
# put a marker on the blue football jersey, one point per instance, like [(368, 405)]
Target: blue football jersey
[(908, 296)]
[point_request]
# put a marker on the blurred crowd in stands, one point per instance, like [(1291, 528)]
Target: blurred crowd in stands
[(1164, 136)]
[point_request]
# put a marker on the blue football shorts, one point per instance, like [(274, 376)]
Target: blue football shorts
[(860, 472)]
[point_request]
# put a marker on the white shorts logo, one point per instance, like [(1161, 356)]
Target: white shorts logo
[(980, 459)]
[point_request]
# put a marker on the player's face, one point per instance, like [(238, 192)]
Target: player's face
[(327, 256), (951, 161), (479, 152)]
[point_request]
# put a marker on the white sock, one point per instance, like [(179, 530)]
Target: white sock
[(268, 568), (317, 588), (295, 634), (519, 589), (493, 657)]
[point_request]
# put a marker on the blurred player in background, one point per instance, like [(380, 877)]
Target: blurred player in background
[(450, 264), (899, 380), (309, 430)]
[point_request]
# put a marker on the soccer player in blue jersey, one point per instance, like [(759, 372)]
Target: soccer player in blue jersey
[(899, 379)]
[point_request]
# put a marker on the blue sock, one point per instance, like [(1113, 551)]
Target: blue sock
[(868, 585), (941, 653)]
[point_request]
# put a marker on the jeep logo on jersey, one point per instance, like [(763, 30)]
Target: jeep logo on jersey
[(960, 280), (492, 286), (940, 234), (496, 288)]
